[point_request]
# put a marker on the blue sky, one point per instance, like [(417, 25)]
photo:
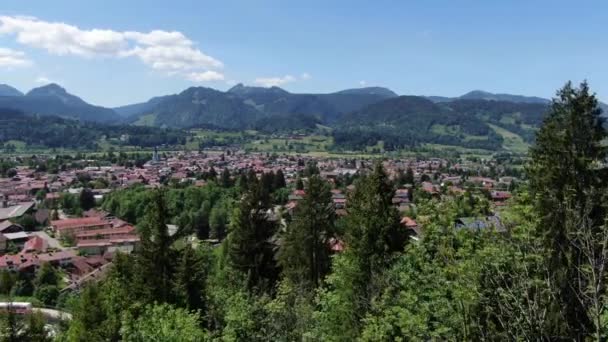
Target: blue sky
[(105, 51)]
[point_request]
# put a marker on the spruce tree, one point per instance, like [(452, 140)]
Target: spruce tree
[(226, 178), (279, 180), (304, 252), (250, 245), (189, 280), (155, 260), (567, 181), (373, 231)]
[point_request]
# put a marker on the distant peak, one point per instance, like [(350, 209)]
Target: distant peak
[(477, 93), (241, 89), (236, 87), (381, 91), (49, 89), (7, 90)]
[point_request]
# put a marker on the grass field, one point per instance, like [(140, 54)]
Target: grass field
[(512, 142), (145, 120)]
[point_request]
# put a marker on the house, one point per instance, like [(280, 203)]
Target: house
[(429, 188), (125, 244), (106, 233), (18, 239), (35, 244), (31, 261), (339, 203), (73, 226), (500, 196), (411, 226), (9, 227), (15, 211)]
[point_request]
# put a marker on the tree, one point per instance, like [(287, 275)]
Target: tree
[(304, 252), (155, 261), (35, 330), (87, 199), (226, 179), (217, 222), (162, 323), (88, 316), (299, 184), (250, 248), (46, 275), (568, 186), (373, 233), (190, 277), (279, 180), (11, 327), (28, 222), (7, 281)]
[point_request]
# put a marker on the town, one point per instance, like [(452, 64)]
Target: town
[(36, 227)]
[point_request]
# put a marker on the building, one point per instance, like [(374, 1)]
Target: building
[(15, 211), (73, 226), (9, 227)]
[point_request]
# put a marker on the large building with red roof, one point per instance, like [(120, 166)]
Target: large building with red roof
[(73, 226)]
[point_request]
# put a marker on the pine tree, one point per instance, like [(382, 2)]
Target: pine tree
[(279, 180), (373, 231), (567, 180), (250, 248), (304, 252), (226, 178), (299, 184), (87, 199), (189, 280), (155, 259)]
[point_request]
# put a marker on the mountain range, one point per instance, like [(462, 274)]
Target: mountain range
[(54, 100), (358, 117)]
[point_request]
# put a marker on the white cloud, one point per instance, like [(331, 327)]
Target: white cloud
[(43, 80), (205, 76), (274, 81), (231, 82), (10, 58), (362, 83), (305, 76), (168, 51)]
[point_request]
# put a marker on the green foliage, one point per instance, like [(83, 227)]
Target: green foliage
[(86, 199), (54, 132), (162, 323), (304, 251), (249, 241), (568, 188)]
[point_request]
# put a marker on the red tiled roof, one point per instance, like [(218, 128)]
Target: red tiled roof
[(408, 222), (35, 243), (127, 229), (78, 222)]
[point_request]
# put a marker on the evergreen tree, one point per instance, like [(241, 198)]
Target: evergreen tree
[(279, 180), (299, 184), (212, 174), (304, 252), (218, 222), (373, 232), (162, 323), (87, 199), (190, 277), (250, 248), (226, 178), (155, 260), (568, 182)]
